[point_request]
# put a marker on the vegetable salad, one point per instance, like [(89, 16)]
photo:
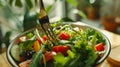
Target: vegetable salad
[(75, 47)]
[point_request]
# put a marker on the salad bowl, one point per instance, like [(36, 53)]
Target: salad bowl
[(95, 50)]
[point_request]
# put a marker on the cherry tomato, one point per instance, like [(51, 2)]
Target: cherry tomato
[(64, 36), (60, 48), (44, 37), (49, 55), (99, 47)]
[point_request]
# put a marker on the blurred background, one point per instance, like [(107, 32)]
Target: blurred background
[(17, 16)]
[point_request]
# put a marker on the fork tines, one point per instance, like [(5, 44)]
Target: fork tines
[(45, 24)]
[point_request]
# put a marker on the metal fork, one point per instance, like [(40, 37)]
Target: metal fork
[(45, 24)]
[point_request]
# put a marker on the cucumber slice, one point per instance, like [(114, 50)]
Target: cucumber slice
[(15, 52)]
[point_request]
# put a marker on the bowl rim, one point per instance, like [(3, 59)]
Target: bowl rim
[(13, 63), (9, 58)]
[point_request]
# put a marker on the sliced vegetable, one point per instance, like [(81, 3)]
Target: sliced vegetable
[(29, 35), (49, 55), (37, 58), (15, 52), (60, 60), (64, 36), (71, 54), (36, 46), (61, 48), (99, 47)]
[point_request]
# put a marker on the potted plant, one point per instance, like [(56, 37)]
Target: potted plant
[(110, 13), (90, 7)]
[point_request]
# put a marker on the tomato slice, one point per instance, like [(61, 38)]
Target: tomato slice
[(99, 47), (61, 48), (49, 55), (64, 36)]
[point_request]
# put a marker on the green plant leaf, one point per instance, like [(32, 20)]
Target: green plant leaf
[(2, 3), (30, 21), (35, 1), (36, 58), (1, 38), (72, 2), (18, 3), (65, 19), (82, 14), (48, 8), (10, 2), (7, 38), (29, 3)]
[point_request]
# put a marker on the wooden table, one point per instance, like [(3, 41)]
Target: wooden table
[(3, 61), (114, 39)]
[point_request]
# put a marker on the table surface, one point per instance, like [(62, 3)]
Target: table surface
[(3, 61), (114, 39)]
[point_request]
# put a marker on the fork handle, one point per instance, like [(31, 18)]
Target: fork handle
[(42, 13), (41, 4), (44, 20)]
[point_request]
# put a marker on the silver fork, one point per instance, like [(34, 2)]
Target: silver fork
[(45, 24)]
